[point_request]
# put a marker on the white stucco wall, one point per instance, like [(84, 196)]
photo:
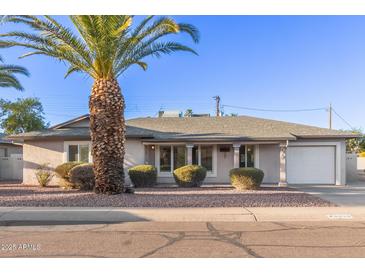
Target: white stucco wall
[(36, 153), (134, 155), (351, 167), (269, 162)]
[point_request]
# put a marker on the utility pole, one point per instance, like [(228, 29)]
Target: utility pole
[(217, 105), (330, 116)]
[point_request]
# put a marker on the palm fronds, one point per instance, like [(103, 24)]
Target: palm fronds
[(102, 46), (8, 75)]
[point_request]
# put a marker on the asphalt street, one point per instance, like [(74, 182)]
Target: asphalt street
[(344, 238)]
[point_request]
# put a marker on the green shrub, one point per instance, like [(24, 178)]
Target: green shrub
[(43, 175), (190, 175), (246, 178), (82, 177), (63, 170), (143, 175)]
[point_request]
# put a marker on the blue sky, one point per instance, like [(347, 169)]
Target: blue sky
[(272, 62)]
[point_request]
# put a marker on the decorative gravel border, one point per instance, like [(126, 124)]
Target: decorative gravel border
[(16, 195)]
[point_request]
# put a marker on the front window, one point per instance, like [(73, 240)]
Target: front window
[(175, 156), (179, 156), (242, 156), (84, 153), (73, 151), (195, 154), (165, 158), (250, 156), (247, 156), (206, 157), (149, 155), (79, 153)]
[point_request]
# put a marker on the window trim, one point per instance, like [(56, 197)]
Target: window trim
[(66, 145)]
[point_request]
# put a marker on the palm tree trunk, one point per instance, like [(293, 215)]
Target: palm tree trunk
[(107, 128)]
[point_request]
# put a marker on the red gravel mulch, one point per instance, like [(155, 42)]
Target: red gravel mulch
[(17, 195)]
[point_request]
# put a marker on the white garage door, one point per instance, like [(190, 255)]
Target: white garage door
[(311, 165)]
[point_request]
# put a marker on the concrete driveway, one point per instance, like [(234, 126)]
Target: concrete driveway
[(353, 194)]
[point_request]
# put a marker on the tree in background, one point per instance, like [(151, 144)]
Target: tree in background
[(188, 112), (21, 116), (355, 145), (103, 47), (8, 75)]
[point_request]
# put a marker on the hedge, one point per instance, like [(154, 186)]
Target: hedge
[(246, 178), (82, 177), (190, 176), (143, 175), (63, 170)]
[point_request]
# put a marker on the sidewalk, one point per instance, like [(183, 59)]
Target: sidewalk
[(350, 195), (24, 215)]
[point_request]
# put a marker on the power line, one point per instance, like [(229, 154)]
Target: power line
[(294, 110), (276, 110), (343, 119)]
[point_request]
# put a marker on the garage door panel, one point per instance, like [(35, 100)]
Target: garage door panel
[(311, 165)]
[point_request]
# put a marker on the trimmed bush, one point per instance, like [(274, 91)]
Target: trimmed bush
[(63, 172), (143, 175), (82, 177), (43, 175), (246, 178), (190, 175)]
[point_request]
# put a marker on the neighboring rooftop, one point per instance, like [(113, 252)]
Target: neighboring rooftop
[(195, 128), (4, 140)]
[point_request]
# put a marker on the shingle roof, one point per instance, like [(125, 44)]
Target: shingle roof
[(201, 128), (232, 127)]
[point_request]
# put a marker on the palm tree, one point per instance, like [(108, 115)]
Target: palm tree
[(103, 47), (7, 75)]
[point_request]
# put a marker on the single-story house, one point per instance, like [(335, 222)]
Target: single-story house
[(286, 152)]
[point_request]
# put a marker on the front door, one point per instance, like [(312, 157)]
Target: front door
[(224, 163)]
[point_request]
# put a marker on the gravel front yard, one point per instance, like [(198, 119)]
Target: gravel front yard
[(14, 195)]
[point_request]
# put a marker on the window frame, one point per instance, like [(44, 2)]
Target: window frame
[(66, 145), (160, 173), (254, 153)]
